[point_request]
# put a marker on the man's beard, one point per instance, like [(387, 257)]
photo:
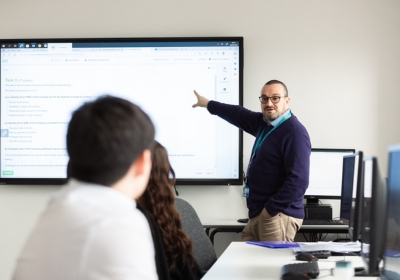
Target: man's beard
[(269, 119)]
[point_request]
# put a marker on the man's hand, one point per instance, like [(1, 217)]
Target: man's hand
[(265, 214), (201, 101)]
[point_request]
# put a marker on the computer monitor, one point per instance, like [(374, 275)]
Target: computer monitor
[(347, 187), (391, 266), (373, 231), (325, 174), (43, 80), (356, 202)]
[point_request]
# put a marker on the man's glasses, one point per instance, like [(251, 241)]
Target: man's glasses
[(274, 99)]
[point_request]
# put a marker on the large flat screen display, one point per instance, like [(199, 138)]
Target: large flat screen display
[(44, 80)]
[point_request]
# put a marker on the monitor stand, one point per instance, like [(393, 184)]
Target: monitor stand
[(312, 201)]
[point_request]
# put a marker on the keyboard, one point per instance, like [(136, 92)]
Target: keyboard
[(322, 222), (309, 268), (320, 254)]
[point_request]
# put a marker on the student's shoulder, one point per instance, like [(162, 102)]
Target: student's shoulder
[(122, 241), (96, 205)]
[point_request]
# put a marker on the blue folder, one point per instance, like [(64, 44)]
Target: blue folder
[(275, 244)]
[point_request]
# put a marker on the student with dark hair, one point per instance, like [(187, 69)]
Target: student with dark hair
[(170, 240), (91, 228)]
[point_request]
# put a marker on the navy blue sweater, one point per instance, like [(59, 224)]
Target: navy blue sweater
[(279, 173)]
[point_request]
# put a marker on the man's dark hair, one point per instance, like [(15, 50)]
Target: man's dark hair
[(104, 139), (278, 82)]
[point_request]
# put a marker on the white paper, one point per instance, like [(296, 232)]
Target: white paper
[(331, 246)]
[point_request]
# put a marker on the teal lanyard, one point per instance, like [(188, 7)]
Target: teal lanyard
[(262, 137), (260, 140)]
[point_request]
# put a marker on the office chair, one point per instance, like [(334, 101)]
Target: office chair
[(203, 249)]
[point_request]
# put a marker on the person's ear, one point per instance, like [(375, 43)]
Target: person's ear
[(143, 164), (141, 169), (287, 100), (135, 181)]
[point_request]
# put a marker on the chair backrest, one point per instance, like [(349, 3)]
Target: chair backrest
[(204, 252)]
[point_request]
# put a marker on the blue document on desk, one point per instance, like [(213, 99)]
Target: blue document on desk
[(274, 244), (392, 254)]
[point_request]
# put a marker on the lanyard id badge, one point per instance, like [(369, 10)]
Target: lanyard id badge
[(246, 189)]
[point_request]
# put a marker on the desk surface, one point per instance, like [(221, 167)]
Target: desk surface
[(250, 262), (223, 224)]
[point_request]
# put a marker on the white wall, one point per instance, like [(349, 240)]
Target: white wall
[(339, 58)]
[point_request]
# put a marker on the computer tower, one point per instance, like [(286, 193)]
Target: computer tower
[(318, 212)]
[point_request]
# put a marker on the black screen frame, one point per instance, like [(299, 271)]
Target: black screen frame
[(146, 40)]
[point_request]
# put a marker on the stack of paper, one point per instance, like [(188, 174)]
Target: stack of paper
[(340, 247)]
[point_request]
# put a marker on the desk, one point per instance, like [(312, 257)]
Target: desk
[(244, 261), (222, 226), (234, 226)]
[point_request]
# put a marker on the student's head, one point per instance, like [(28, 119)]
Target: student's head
[(105, 138), (162, 178), (161, 171), (274, 100), (159, 200)]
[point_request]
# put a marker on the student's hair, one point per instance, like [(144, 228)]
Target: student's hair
[(272, 82), (159, 199), (104, 139)]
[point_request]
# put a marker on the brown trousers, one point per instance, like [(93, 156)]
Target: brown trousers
[(278, 228)]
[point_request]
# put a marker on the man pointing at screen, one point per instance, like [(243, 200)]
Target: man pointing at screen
[(278, 171)]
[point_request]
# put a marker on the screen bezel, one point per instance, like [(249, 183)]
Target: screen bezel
[(185, 181)]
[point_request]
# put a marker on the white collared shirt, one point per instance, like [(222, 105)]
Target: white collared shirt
[(88, 232)]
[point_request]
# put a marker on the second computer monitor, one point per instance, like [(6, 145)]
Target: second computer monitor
[(325, 174), (347, 187), (373, 222), (356, 201)]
